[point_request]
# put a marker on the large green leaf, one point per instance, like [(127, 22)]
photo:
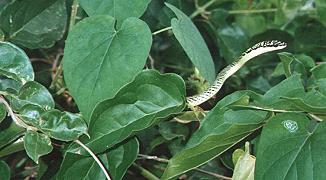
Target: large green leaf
[(14, 63), (36, 145), (4, 171), (291, 147), (220, 130), (34, 23), (32, 93), (139, 104), (193, 43), (97, 65), (117, 161), (119, 9)]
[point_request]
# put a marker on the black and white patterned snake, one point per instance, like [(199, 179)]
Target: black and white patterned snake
[(256, 50)]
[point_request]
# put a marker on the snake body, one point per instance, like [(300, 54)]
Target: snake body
[(256, 50)]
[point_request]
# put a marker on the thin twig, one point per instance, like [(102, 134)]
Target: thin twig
[(161, 30), (98, 161), (158, 159), (153, 158), (151, 62)]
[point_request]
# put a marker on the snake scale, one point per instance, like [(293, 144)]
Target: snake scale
[(256, 50)]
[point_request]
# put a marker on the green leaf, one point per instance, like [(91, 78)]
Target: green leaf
[(14, 63), (3, 112), (99, 64), (193, 43), (312, 101), (319, 71), (119, 9), (291, 87), (37, 145), (117, 161), (32, 93), (9, 132), (245, 166), (290, 147), (215, 135), (4, 171), (121, 158), (34, 23), (139, 104), (64, 126)]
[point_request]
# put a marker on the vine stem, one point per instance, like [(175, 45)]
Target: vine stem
[(161, 30), (98, 161)]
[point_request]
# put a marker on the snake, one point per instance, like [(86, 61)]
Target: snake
[(256, 50)]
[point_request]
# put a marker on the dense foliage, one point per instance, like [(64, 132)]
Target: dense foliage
[(111, 77)]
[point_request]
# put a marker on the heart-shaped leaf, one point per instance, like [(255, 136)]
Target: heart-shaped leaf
[(99, 59)]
